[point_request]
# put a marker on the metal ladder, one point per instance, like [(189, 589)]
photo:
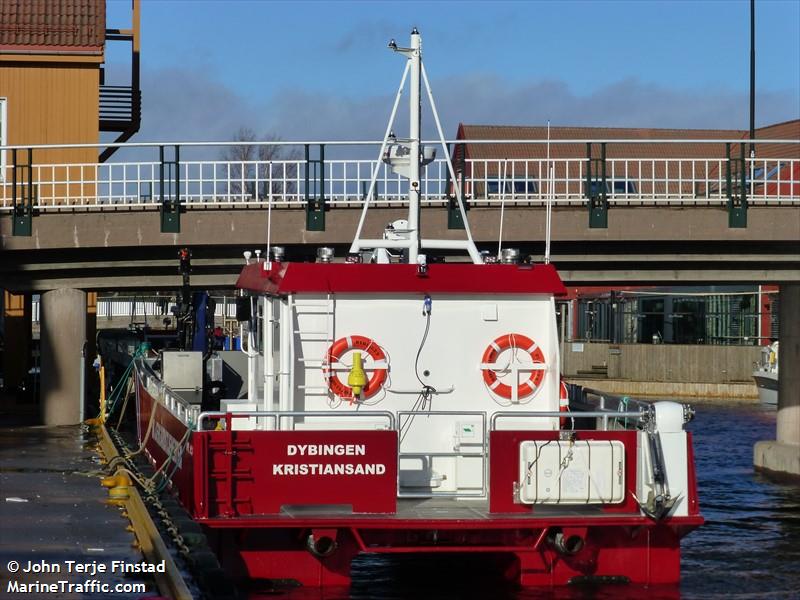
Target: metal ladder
[(310, 364)]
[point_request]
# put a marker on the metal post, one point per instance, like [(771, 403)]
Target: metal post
[(170, 205), (161, 173), (598, 200), (22, 215), (178, 177), (315, 202), (563, 338), (737, 203), (82, 383), (752, 77)]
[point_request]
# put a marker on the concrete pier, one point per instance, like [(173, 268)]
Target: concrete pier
[(782, 456), (53, 509), (63, 335)]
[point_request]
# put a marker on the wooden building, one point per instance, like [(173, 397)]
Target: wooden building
[(53, 91), (52, 88)]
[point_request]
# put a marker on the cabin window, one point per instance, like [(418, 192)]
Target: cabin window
[(3, 138)]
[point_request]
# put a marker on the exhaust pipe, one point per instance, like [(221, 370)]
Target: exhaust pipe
[(566, 545), (321, 547)]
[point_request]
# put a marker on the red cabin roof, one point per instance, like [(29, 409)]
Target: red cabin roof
[(453, 278)]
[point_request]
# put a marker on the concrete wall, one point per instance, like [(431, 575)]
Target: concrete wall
[(664, 362)]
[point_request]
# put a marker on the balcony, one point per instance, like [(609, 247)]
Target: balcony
[(120, 108)]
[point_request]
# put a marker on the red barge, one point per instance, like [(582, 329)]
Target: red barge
[(393, 404)]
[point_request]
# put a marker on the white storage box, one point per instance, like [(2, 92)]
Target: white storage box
[(580, 472)]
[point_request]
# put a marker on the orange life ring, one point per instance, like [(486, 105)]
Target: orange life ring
[(493, 350), (355, 342)]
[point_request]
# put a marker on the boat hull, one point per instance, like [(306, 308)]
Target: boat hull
[(264, 525), (767, 384)]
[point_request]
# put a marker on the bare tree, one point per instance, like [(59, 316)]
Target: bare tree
[(255, 170)]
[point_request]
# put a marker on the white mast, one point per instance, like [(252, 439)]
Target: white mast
[(414, 120), (406, 158)]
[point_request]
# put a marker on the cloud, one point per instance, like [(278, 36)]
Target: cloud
[(367, 35), (189, 105)]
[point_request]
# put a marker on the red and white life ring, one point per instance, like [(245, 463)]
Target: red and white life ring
[(378, 368), (489, 366)]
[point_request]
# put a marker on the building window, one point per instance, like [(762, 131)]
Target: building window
[(758, 173), (3, 137), (615, 186), (514, 186)]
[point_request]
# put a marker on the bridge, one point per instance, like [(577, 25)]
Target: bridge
[(702, 217), (616, 215)]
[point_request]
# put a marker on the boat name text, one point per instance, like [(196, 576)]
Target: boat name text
[(326, 450), (329, 469)]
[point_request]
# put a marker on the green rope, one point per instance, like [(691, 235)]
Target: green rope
[(624, 404), (116, 394)]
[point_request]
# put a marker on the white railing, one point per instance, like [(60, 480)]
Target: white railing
[(255, 183)]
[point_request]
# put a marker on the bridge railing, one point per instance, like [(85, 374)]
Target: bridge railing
[(624, 177)]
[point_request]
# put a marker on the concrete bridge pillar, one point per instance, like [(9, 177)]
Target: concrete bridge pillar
[(17, 338), (782, 456), (63, 334)]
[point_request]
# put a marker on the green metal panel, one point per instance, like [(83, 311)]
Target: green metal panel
[(170, 217), (170, 192), (315, 216), (736, 183), (315, 199), (23, 222), (597, 194), (22, 195), (598, 214), (454, 219)]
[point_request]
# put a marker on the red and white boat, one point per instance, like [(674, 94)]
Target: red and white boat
[(399, 405)]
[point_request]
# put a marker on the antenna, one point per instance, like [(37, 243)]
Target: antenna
[(550, 182), (502, 190)]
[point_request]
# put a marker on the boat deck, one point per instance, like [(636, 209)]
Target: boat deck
[(443, 513)]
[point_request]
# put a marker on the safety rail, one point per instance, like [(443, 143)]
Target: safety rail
[(605, 403), (483, 452), (640, 415), (277, 416), (342, 179), (186, 412)]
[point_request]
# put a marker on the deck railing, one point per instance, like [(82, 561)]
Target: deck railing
[(197, 180)]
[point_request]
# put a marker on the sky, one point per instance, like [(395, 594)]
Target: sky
[(321, 70)]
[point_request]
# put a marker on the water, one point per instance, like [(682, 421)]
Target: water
[(748, 547)]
